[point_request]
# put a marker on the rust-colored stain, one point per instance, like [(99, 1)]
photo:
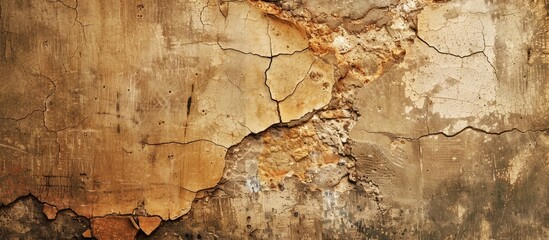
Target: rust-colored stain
[(50, 211), (149, 224), (113, 227)]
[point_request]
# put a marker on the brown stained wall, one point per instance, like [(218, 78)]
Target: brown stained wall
[(274, 119)]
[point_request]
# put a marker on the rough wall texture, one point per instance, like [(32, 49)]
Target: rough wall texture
[(284, 119)]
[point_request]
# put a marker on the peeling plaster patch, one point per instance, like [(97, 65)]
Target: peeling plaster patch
[(155, 90), (448, 138), (418, 169), (25, 219), (281, 158), (454, 87), (148, 224), (435, 89), (87, 233), (113, 227), (50, 211)]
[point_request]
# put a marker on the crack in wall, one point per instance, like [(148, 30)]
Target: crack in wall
[(271, 57), (474, 129), (483, 51), (144, 142), (75, 9), (270, 91), (298, 83), (383, 211)]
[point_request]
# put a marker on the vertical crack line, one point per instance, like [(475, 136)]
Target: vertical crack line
[(266, 70), (75, 9), (484, 51), (201, 14), (51, 92), (270, 39), (270, 92), (79, 22)]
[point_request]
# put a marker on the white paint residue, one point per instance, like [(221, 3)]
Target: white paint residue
[(516, 165), (342, 44)]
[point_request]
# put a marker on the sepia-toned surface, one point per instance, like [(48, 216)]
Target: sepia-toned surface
[(112, 106), (397, 119)]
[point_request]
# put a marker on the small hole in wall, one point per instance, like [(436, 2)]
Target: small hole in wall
[(188, 236), (325, 85)]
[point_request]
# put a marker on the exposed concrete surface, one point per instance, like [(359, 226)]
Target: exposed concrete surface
[(281, 119)]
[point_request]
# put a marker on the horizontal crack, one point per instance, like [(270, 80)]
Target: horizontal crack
[(240, 51), (182, 143), (394, 136), (449, 53)]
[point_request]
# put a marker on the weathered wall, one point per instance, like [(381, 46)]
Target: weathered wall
[(274, 120)]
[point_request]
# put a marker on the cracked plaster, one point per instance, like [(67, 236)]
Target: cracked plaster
[(128, 113), (370, 119)]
